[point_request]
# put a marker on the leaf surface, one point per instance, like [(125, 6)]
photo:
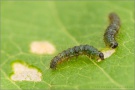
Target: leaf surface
[(66, 24)]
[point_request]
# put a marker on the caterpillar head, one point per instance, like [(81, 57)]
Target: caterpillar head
[(101, 55), (113, 45)]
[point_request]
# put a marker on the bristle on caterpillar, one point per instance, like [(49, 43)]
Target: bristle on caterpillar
[(112, 30), (90, 51)]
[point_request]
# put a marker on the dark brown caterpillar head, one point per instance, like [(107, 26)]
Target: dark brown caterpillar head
[(113, 45), (101, 55)]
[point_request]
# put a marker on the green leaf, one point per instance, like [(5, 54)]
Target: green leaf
[(67, 24)]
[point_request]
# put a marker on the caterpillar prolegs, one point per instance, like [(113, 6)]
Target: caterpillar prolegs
[(90, 51)]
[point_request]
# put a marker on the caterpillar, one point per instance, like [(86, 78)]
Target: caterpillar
[(112, 30), (90, 51)]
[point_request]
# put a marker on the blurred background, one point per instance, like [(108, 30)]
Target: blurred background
[(65, 24)]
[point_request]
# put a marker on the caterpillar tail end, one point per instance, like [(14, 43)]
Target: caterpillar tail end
[(52, 66)]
